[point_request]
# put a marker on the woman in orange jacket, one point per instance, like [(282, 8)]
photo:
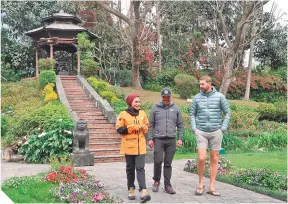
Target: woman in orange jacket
[(133, 124)]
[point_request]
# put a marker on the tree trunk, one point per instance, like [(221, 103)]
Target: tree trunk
[(158, 35), (135, 47), (228, 74), (247, 90)]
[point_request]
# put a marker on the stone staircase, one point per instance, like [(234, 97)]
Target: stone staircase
[(104, 141)]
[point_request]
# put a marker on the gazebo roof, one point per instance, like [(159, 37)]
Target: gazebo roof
[(59, 25), (61, 16)]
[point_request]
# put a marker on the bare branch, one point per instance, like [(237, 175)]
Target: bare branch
[(224, 27), (115, 12)]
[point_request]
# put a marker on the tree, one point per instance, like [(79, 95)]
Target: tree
[(135, 22), (253, 32), (236, 43), (271, 47)]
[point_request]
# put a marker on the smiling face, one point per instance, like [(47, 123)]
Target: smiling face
[(205, 86), (166, 100), (136, 103)]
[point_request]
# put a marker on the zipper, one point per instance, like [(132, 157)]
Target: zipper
[(166, 122), (137, 123)]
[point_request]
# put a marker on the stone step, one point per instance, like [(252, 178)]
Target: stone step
[(105, 152), (85, 109), (102, 130), (104, 135), (94, 118), (110, 158), (93, 139), (84, 105), (90, 114), (102, 145), (101, 126)]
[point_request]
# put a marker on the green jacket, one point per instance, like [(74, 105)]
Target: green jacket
[(206, 112)]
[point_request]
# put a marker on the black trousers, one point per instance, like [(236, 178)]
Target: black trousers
[(166, 146), (135, 162)]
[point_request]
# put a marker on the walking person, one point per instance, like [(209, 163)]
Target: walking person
[(165, 120), (206, 121), (133, 124)]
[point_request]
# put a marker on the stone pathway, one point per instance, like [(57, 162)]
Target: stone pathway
[(114, 177)]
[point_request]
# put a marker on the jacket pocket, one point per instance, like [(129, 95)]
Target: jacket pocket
[(131, 142)]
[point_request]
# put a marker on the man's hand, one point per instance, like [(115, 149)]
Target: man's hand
[(151, 144), (196, 132), (179, 143)]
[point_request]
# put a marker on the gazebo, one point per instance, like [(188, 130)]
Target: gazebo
[(59, 33)]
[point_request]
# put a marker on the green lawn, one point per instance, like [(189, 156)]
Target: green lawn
[(29, 190), (274, 160)]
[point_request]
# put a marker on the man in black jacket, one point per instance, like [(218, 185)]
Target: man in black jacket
[(165, 120)]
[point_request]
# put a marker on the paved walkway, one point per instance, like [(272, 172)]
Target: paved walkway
[(185, 183)]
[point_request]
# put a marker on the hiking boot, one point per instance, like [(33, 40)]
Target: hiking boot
[(155, 187), (144, 196), (131, 195), (169, 190)]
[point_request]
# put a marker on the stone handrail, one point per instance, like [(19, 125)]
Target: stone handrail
[(63, 98), (102, 104)]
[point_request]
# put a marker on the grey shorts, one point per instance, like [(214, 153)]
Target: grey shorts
[(211, 140)]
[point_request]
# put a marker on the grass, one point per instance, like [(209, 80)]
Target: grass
[(154, 97), (18, 99), (32, 189), (274, 160)]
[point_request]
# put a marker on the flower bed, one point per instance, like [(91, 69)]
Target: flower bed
[(76, 186)]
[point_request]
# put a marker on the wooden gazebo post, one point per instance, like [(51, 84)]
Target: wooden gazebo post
[(37, 71), (51, 51)]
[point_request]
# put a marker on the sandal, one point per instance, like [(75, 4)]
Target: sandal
[(199, 191), (214, 193)]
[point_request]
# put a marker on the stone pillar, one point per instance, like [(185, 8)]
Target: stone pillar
[(78, 62), (37, 70), (51, 51)]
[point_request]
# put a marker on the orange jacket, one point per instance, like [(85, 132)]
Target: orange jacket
[(133, 143)]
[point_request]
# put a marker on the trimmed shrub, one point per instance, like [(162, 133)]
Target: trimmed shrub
[(49, 93), (46, 64), (89, 67), (232, 143), (108, 95), (35, 121), (46, 77), (186, 85), (117, 92), (275, 140), (277, 112), (244, 119)]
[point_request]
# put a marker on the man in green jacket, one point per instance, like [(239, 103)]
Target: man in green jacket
[(206, 121), (165, 121)]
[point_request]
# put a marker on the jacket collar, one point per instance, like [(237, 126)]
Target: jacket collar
[(209, 93), (160, 104)]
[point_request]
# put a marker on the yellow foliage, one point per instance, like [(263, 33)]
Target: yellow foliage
[(49, 93)]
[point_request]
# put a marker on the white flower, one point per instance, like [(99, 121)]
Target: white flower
[(68, 131), (60, 119), (42, 134)]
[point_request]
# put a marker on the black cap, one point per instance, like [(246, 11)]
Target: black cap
[(166, 92)]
